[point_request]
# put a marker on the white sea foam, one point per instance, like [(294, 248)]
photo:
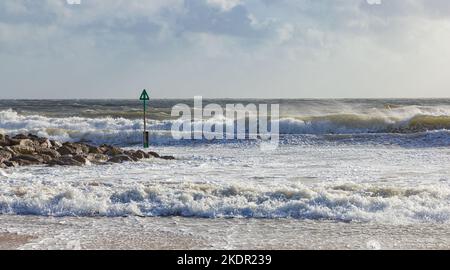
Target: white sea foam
[(97, 130), (389, 183), (344, 203), (127, 132)]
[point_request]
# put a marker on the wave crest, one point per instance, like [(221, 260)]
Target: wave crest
[(128, 131), (347, 202)]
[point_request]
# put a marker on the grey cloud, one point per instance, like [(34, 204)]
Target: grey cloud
[(439, 8), (203, 18), (27, 11)]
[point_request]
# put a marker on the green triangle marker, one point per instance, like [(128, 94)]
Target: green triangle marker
[(144, 95)]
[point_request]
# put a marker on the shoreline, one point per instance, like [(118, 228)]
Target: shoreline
[(175, 233)]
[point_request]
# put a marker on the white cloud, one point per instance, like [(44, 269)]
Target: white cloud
[(297, 48), (374, 2), (224, 4), (286, 32)]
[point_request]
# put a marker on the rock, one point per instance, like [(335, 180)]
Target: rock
[(10, 163), (97, 158), (114, 151), (33, 137), (8, 149), (82, 160), (64, 150), (168, 157), (65, 161), (3, 141), (83, 147), (120, 159), (154, 154), (138, 155), (21, 137), (47, 151), (75, 148), (22, 142), (130, 153), (56, 144), (5, 155), (95, 150), (3, 166), (104, 148), (31, 150), (46, 158), (44, 143), (28, 160), (24, 150)]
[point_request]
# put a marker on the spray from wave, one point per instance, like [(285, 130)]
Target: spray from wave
[(124, 131), (348, 202)]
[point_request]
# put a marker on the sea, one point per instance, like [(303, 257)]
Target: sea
[(344, 161)]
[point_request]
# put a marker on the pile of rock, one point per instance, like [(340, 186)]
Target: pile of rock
[(24, 150)]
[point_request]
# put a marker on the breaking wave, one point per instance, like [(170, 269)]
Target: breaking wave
[(349, 202), (124, 131)]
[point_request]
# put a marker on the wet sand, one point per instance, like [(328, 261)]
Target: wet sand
[(10, 241), (27, 232)]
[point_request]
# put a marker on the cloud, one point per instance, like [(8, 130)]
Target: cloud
[(239, 47), (224, 4)]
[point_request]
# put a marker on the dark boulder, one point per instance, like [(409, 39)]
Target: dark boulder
[(95, 150), (120, 159), (10, 163), (56, 144), (65, 161), (24, 150), (47, 151), (22, 142), (44, 143), (65, 150), (76, 148), (21, 137), (83, 160), (5, 155), (97, 158), (114, 151), (138, 154), (154, 154), (46, 158), (24, 160), (167, 157), (3, 140), (33, 137)]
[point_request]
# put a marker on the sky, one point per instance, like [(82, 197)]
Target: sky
[(52, 49)]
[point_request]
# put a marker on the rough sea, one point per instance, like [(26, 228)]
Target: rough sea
[(369, 161)]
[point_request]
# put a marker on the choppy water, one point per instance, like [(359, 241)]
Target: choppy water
[(348, 160)]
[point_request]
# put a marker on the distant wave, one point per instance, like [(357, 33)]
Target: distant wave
[(356, 123), (128, 131)]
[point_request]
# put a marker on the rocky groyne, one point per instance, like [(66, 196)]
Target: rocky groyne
[(26, 150)]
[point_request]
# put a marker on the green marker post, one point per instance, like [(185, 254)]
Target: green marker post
[(144, 97)]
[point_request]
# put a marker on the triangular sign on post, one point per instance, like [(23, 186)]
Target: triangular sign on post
[(144, 95)]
